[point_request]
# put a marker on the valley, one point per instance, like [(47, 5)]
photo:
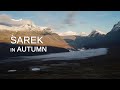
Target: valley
[(100, 67), (30, 51)]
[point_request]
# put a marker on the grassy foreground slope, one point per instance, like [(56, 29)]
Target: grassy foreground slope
[(49, 38)]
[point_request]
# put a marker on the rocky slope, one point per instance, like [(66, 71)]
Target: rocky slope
[(30, 29)]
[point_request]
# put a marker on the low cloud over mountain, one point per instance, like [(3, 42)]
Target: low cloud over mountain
[(9, 21), (20, 27), (67, 33)]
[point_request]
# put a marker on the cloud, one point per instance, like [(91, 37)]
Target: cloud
[(67, 33), (83, 22), (102, 14), (84, 34), (66, 21), (9, 21), (70, 19), (16, 19), (57, 26)]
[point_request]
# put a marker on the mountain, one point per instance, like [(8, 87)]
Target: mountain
[(50, 39), (96, 33), (27, 26), (85, 40), (70, 40), (113, 37), (116, 27), (83, 34), (68, 33), (97, 39), (70, 37), (30, 29)]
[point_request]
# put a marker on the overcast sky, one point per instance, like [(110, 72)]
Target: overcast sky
[(64, 21)]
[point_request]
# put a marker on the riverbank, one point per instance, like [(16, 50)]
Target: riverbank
[(100, 67)]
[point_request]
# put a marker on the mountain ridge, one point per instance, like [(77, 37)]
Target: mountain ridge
[(96, 33), (97, 39)]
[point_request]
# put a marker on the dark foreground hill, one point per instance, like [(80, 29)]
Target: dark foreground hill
[(5, 51)]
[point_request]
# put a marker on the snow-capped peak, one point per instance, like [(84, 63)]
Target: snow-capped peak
[(96, 33), (116, 27), (83, 34), (29, 25), (43, 28), (68, 33), (11, 24)]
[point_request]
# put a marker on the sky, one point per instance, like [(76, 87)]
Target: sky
[(69, 21)]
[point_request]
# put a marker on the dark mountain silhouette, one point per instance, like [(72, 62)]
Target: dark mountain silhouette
[(92, 40), (113, 37), (5, 51), (96, 39)]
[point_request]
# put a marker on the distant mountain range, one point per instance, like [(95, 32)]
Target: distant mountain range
[(96, 39)]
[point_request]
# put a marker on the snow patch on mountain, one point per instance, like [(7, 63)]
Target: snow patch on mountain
[(8, 23), (116, 27), (68, 33), (96, 33), (83, 34)]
